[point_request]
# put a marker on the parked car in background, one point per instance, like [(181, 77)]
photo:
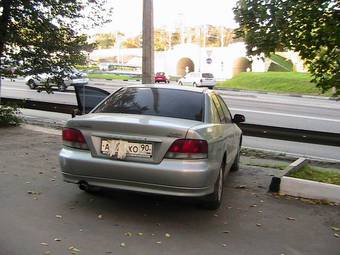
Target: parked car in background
[(72, 78), (197, 79), (167, 140), (161, 77)]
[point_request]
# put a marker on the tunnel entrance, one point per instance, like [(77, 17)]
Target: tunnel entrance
[(241, 65), (182, 64)]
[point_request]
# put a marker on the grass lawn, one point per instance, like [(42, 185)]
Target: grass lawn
[(317, 174), (109, 76), (279, 82)]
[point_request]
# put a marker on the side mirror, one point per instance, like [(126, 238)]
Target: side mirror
[(238, 118)]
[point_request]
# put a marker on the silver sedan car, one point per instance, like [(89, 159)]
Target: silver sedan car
[(169, 140)]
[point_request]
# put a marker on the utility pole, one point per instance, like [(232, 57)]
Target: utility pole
[(148, 43)]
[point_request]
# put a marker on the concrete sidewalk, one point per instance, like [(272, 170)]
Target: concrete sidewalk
[(40, 214)]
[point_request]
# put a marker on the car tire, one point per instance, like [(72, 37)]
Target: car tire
[(211, 87), (194, 84), (236, 164), (180, 83), (213, 201), (31, 84)]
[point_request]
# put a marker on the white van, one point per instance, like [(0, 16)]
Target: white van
[(197, 79)]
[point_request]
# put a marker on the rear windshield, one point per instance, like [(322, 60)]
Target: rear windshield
[(155, 101), (160, 74), (207, 75)]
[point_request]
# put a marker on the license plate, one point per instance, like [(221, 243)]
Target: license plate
[(122, 149)]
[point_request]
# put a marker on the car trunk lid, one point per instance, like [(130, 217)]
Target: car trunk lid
[(159, 132)]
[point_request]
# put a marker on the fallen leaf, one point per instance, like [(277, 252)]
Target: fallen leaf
[(240, 187), (226, 231), (100, 216), (215, 215), (80, 230), (167, 235), (44, 244), (254, 205), (59, 216), (336, 235), (122, 245), (224, 245), (158, 242), (261, 201), (128, 234), (290, 218), (74, 249), (47, 252), (258, 224), (57, 239), (140, 234), (335, 228), (260, 211)]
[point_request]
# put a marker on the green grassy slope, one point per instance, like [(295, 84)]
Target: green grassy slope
[(279, 82)]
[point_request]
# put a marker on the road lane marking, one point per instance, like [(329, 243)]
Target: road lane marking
[(285, 114)]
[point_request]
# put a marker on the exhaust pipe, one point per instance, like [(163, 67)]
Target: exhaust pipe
[(84, 186)]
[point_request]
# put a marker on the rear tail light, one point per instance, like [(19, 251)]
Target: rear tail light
[(188, 149), (74, 138)]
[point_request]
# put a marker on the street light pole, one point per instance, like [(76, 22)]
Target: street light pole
[(148, 43)]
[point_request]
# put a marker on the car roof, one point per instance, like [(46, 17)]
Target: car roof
[(172, 86)]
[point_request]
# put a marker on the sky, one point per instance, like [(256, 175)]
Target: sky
[(127, 14)]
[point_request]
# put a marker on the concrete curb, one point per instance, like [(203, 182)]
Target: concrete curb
[(296, 187), (309, 189), (275, 185)]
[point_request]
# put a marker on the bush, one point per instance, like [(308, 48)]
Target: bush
[(9, 116)]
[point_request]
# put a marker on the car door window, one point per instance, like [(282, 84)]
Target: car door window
[(227, 115), (219, 108)]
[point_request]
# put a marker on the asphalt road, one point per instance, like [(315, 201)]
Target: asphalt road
[(265, 109), (40, 214)]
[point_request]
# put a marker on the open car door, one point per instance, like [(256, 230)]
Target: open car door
[(88, 98)]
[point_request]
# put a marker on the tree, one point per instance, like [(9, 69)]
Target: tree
[(105, 41), (134, 42), (309, 27), (162, 39), (40, 36)]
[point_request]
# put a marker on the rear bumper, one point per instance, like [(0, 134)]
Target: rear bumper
[(207, 84), (191, 178)]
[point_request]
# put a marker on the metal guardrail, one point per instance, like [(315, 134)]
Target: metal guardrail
[(277, 133), (291, 134), (40, 105)]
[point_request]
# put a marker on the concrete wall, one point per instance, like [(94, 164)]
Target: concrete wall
[(222, 62)]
